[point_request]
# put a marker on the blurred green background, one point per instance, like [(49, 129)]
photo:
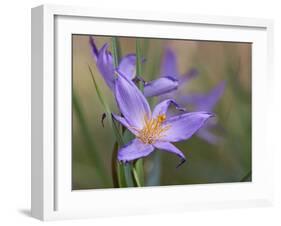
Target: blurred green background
[(229, 161)]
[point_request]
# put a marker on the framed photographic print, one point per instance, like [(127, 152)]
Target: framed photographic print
[(137, 112)]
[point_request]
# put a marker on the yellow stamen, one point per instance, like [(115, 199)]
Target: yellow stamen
[(153, 129), (161, 118)]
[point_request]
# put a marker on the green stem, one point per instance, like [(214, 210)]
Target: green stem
[(139, 63), (124, 171), (116, 51), (114, 165), (122, 181), (138, 171), (139, 57), (136, 177), (118, 173)]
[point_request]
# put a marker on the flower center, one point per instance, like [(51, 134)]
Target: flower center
[(153, 129)]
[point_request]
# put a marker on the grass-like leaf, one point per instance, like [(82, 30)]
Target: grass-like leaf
[(99, 93)]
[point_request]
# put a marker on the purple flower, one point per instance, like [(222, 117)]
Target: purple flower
[(199, 102), (169, 68), (127, 67), (206, 102), (153, 129), (105, 64), (160, 86), (170, 79)]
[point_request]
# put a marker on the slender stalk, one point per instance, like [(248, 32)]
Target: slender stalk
[(153, 70), (118, 173), (153, 177), (121, 176), (138, 171), (116, 52), (139, 57), (113, 166), (145, 46), (123, 170), (139, 63), (136, 177)]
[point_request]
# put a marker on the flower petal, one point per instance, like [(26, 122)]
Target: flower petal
[(106, 66), (208, 136), (212, 97), (127, 66), (190, 74), (160, 86), (205, 102), (131, 102), (182, 127), (124, 122), (163, 106), (169, 64), (166, 146), (94, 48), (134, 150)]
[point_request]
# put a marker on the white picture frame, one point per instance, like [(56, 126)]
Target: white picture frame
[(52, 197)]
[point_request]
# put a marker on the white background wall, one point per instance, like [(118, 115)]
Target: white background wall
[(15, 113)]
